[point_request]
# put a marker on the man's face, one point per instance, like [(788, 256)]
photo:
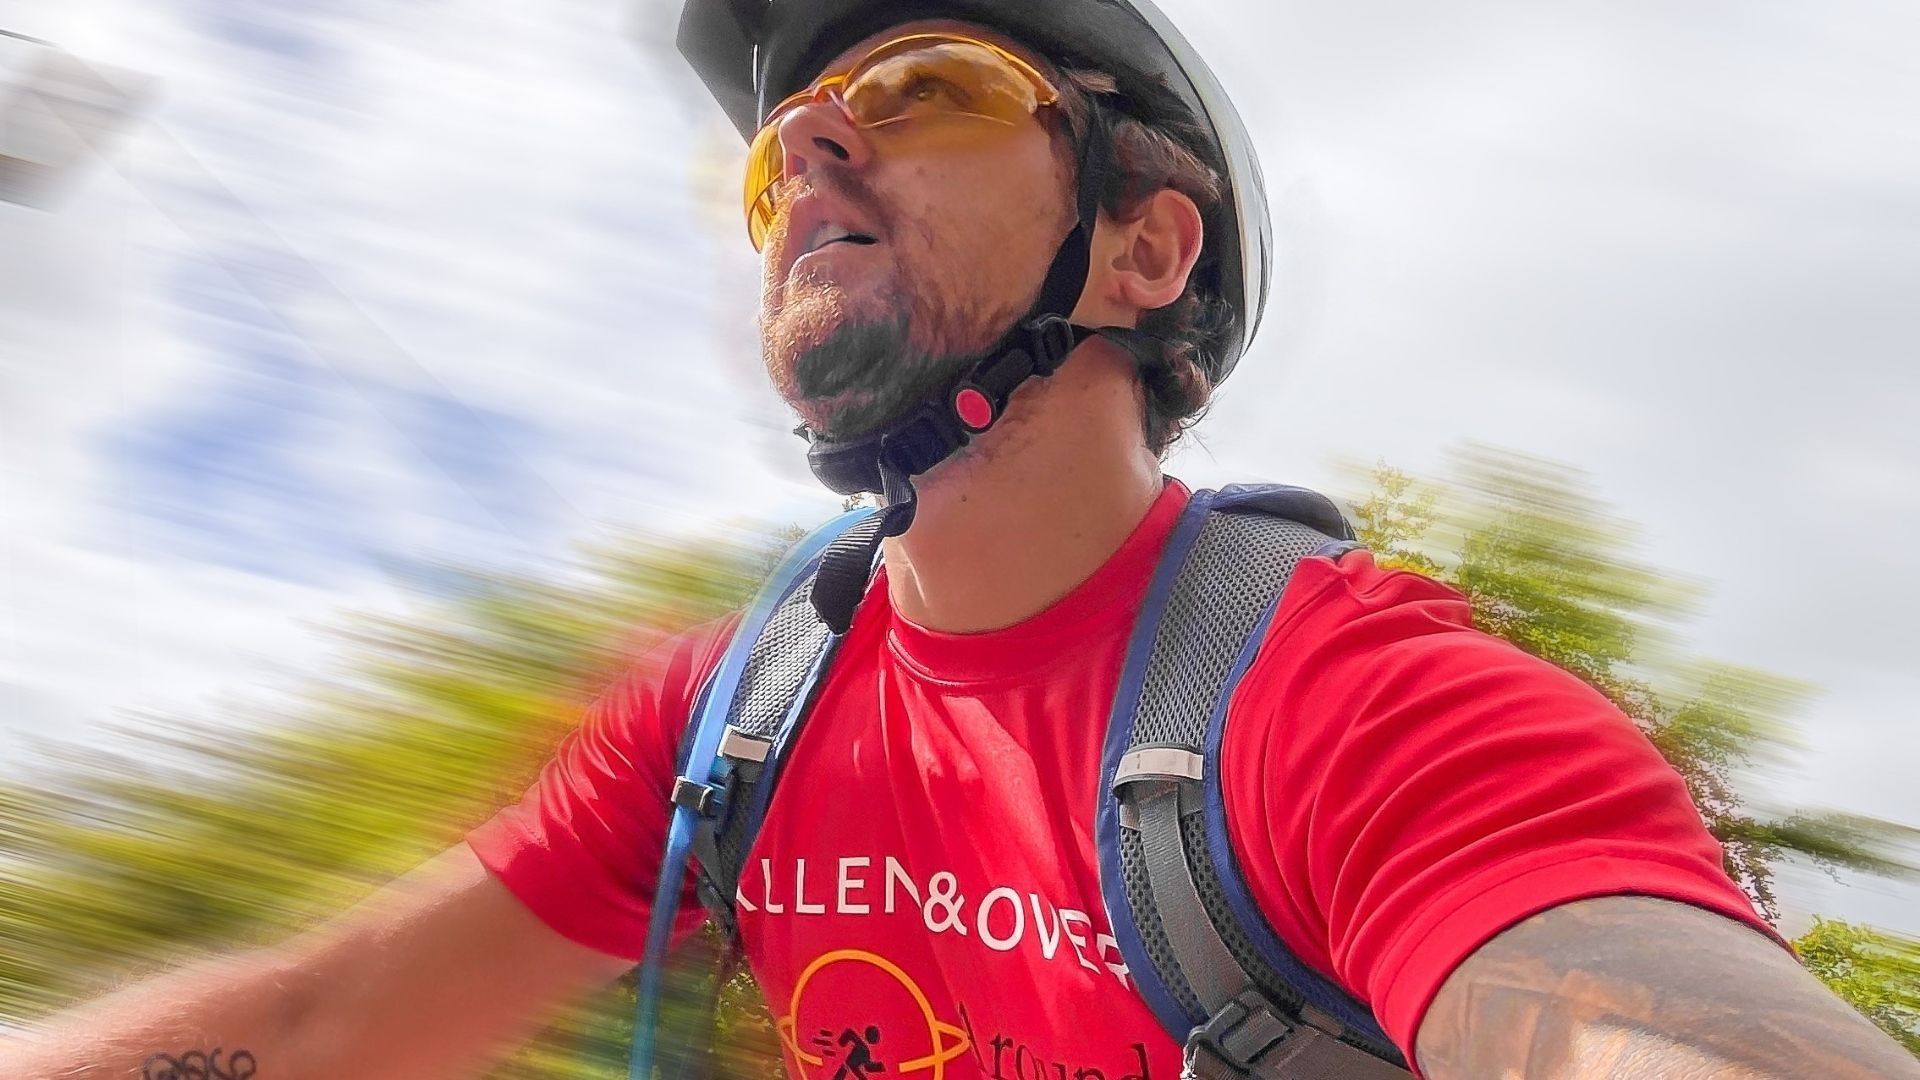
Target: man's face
[(965, 215)]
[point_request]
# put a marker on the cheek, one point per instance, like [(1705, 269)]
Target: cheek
[(984, 220)]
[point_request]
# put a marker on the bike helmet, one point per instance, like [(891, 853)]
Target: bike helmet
[(752, 54)]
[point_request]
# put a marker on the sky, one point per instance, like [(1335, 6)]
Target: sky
[(371, 286)]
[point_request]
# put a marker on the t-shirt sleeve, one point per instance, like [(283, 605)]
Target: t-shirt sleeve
[(1402, 788), (582, 848)]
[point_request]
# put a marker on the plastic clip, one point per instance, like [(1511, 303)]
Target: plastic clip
[(1242, 1032), (695, 796)]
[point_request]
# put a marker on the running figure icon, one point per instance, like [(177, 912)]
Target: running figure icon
[(860, 1062)]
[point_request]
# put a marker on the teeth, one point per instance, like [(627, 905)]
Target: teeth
[(826, 234)]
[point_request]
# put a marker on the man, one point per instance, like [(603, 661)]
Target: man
[(1476, 846)]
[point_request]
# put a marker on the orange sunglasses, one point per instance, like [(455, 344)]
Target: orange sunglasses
[(909, 78)]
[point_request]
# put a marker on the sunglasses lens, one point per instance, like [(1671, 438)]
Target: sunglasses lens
[(952, 78), (907, 79), (766, 161)]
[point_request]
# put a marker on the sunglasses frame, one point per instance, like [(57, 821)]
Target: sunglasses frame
[(828, 89)]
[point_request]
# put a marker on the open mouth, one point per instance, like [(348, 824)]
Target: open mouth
[(828, 235)]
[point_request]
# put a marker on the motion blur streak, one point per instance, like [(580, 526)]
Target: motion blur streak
[(332, 334)]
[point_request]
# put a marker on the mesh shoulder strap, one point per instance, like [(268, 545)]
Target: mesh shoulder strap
[(783, 673), (743, 718), (784, 668), (1198, 948)]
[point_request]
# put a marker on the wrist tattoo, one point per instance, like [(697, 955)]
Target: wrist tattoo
[(199, 1065)]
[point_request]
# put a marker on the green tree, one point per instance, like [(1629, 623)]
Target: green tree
[(1548, 567), (1878, 973)]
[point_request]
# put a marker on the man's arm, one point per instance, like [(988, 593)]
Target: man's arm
[(1632, 986), (433, 977)]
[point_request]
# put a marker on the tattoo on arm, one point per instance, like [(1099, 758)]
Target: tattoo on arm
[(1632, 986), (199, 1065)]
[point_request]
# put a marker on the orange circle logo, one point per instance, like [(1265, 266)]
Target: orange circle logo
[(945, 1041)]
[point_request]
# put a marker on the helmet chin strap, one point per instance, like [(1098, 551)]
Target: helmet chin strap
[(886, 461)]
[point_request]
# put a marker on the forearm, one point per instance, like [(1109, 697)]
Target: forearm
[(435, 976), (1618, 987), (234, 1016)]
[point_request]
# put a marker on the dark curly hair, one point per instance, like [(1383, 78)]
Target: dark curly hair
[(1145, 156)]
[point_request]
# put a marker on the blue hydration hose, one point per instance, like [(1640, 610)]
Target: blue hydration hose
[(702, 766)]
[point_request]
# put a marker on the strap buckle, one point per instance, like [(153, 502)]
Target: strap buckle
[(737, 746), (1050, 338), (1234, 1040), (739, 754)]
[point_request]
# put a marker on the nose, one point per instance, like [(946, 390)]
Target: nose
[(819, 133)]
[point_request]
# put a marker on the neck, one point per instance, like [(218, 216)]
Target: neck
[(1033, 508)]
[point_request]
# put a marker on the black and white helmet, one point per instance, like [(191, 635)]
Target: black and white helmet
[(754, 53)]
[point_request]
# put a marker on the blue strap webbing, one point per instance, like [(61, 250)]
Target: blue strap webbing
[(702, 751)]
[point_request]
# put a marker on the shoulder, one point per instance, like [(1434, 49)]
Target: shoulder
[(581, 848), (1367, 669), (682, 659), (662, 676), (1348, 630), (1352, 585)]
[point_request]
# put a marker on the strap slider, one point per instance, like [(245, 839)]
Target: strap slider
[(695, 796), (1245, 1030), (1154, 770), (927, 437), (1169, 763), (738, 746)]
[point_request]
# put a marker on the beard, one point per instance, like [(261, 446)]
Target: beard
[(864, 375), (851, 367)]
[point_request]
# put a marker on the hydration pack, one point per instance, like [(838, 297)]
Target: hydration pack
[(1198, 949)]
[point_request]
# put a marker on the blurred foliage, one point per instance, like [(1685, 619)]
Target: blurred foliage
[(1548, 568), (196, 835), (1878, 974)]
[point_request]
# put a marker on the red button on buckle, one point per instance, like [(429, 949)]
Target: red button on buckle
[(973, 408)]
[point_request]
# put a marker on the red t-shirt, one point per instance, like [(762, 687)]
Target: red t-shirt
[(925, 892)]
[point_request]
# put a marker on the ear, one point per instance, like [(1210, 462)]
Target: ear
[(1154, 252)]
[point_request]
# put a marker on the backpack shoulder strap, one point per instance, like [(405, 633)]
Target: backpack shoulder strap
[(1196, 945), (743, 717), (784, 670)]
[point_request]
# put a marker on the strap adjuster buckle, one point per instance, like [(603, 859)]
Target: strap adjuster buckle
[(695, 796), (1152, 770), (927, 437), (1166, 763), (1051, 339), (739, 747), (1242, 1032)]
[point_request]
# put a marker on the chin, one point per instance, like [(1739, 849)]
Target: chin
[(849, 376)]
